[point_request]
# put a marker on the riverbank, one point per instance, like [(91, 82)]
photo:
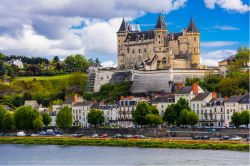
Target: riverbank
[(143, 143)]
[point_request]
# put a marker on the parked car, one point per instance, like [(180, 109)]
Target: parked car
[(248, 138), (58, 135), (236, 138), (95, 136), (77, 135), (211, 130), (205, 137), (141, 136), (117, 136), (136, 136), (224, 137), (127, 136), (21, 134), (104, 136), (34, 135), (196, 137), (49, 132), (58, 132)]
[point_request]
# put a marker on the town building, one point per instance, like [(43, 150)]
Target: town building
[(162, 102), (16, 62), (158, 49)]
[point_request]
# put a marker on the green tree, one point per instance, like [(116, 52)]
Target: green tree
[(24, 117), (183, 117), (192, 118), (3, 111), (236, 119), (38, 123), (170, 115), (154, 119), (27, 96), (46, 119), (140, 113), (244, 117), (7, 123), (64, 118), (95, 117), (181, 105), (77, 82), (56, 59), (76, 63)]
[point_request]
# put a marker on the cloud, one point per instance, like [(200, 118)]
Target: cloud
[(226, 28), (229, 5), (213, 57), (108, 64), (218, 43)]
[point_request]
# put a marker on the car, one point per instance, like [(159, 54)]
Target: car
[(95, 136), (141, 136), (21, 134), (104, 136), (58, 135), (34, 135), (127, 136), (135, 136), (224, 137), (117, 136), (77, 135), (211, 130), (49, 132), (58, 132), (196, 137), (248, 138), (205, 137), (42, 133), (235, 138)]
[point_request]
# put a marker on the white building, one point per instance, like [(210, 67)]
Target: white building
[(110, 113), (16, 62), (162, 102)]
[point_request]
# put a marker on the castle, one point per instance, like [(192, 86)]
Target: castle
[(158, 49)]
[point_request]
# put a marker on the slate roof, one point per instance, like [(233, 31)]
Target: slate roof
[(185, 90), (174, 36), (245, 99), (161, 24), (135, 36), (123, 27), (192, 27), (216, 102), (200, 96), (234, 98), (163, 99)]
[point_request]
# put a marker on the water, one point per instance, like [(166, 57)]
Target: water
[(92, 155)]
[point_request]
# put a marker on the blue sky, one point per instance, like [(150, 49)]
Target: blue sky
[(88, 27)]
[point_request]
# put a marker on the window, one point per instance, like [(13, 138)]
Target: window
[(221, 109), (161, 106), (193, 105), (145, 50), (159, 36), (197, 111), (139, 51), (194, 38), (128, 50), (133, 51), (159, 42)]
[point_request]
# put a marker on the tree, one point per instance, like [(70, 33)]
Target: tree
[(24, 117), (56, 59), (154, 119), (183, 117), (64, 118), (77, 79), (170, 115), (46, 119), (236, 119), (95, 117), (244, 117), (7, 123), (3, 111), (139, 115), (27, 96), (181, 105), (192, 118), (38, 123), (76, 63)]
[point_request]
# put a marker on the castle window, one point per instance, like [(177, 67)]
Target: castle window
[(139, 51), (194, 50), (145, 50), (159, 42), (194, 38), (128, 50), (133, 51), (159, 36)]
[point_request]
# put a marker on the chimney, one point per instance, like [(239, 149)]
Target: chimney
[(75, 98), (214, 95), (195, 88), (225, 98), (122, 98), (131, 97), (179, 85)]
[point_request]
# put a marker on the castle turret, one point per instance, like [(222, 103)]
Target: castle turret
[(193, 36), (121, 36)]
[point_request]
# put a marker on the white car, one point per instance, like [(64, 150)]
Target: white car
[(236, 138), (21, 134)]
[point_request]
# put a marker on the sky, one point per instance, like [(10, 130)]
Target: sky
[(65, 27)]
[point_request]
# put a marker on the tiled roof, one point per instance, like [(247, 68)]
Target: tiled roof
[(123, 27), (216, 102), (245, 99), (234, 98), (200, 96), (163, 99), (161, 24), (135, 36)]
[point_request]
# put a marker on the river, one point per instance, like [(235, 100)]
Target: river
[(93, 155)]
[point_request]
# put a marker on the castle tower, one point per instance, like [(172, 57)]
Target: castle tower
[(121, 36), (193, 36)]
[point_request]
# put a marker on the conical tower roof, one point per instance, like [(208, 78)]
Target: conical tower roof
[(161, 24), (192, 27), (123, 27)]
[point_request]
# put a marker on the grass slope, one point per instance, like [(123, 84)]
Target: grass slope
[(145, 143)]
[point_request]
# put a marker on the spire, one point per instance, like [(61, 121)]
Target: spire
[(123, 27), (161, 24), (192, 26)]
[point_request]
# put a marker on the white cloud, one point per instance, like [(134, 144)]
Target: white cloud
[(230, 5), (213, 57), (218, 43), (108, 64), (226, 28)]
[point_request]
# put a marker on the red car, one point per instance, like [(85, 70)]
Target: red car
[(104, 136)]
